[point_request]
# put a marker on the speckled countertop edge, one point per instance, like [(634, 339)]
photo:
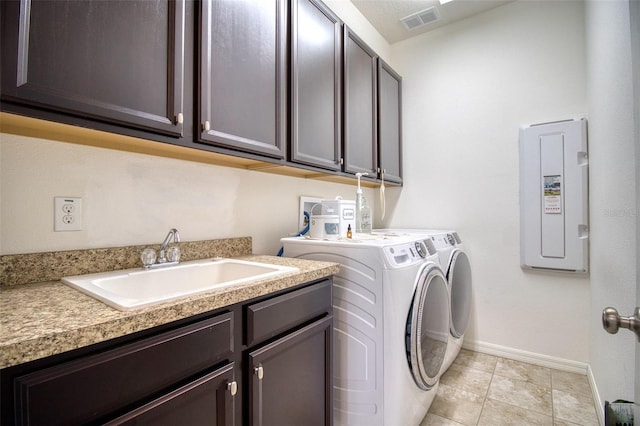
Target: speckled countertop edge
[(48, 318)]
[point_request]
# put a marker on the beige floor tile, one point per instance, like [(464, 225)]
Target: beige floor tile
[(457, 405), (433, 420), (467, 379), (520, 393), (570, 382), (498, 413), (576, 407), (476, 360), (522, 371)]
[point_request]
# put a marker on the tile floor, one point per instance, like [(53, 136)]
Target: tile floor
[(486, 390)]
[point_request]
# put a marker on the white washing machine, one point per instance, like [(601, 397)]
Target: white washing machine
[(457, 268), (391, 326)]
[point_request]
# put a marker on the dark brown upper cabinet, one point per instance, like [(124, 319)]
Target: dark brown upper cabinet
[(360, 106), (243, 76), (389, 123), (316, 65), (118, 62)]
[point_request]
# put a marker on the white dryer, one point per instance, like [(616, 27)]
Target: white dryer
[(391, 326), (457, 268)]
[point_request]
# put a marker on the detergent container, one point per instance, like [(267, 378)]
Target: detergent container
[(346, 212), (324, 223)]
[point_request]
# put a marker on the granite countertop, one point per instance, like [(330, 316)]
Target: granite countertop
[(47, 318)]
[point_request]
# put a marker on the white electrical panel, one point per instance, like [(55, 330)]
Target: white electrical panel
[(554, 228)]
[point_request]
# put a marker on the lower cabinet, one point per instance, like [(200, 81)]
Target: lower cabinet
[(95, 388), (206, 400), (262, 362), (288, 374), (290, 379)]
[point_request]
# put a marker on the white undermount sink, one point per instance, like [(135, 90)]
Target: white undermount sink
[(134, 288)]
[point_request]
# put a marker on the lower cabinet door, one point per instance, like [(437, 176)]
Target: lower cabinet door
[(290, 379), (206, 401)]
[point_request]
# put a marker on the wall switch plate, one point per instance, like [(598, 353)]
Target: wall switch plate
[(67, 214)]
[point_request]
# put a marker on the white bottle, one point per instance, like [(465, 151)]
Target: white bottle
[(363, 212)]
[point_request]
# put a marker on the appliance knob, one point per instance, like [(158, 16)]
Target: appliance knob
[(421, 248)]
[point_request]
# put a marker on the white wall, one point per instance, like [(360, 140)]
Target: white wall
[(467, 89), (135, 198), (613, 192), (354, 19)]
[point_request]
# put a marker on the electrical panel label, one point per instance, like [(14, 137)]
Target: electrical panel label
[(553, 194)]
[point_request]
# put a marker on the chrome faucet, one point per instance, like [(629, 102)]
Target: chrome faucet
[(162, 256), (166, 256)]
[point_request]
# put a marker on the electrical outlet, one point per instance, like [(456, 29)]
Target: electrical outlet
[(67, 214)]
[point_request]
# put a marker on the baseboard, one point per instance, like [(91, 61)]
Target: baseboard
[(596, 395), (528, 357)]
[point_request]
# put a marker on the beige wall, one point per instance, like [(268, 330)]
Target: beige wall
[(135, 198)]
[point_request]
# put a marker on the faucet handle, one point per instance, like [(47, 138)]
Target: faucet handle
[(148, 257), (173, 254)]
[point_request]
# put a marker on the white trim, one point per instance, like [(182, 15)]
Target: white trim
[(596, 395), (528, 357)]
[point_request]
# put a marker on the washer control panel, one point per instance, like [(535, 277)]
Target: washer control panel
[(445, 240), (407, 253)]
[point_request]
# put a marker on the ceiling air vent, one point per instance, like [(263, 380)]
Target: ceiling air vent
[(419, 19)]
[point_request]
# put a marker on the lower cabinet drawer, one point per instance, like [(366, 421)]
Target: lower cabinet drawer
[(276, 315), (88, 389), (206, 401)]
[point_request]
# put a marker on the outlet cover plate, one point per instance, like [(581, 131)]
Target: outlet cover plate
[(67, 214)]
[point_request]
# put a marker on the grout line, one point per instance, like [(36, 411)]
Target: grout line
[(486, 396)]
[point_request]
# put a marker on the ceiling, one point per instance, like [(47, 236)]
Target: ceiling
[(385, 15)]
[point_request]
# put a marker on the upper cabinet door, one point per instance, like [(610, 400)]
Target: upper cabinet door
[(315, 85), (242, 79), (360, 106), (120, 62), (389, 123)]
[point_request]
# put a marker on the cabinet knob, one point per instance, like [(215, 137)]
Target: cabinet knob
[(206, 126), (179, 118), (259, 372), (232, 388), (341, 161)]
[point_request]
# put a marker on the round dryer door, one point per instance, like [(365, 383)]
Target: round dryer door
[(427, 329), (459, 278)]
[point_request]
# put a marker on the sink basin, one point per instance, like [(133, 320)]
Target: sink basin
[(135, 288)]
